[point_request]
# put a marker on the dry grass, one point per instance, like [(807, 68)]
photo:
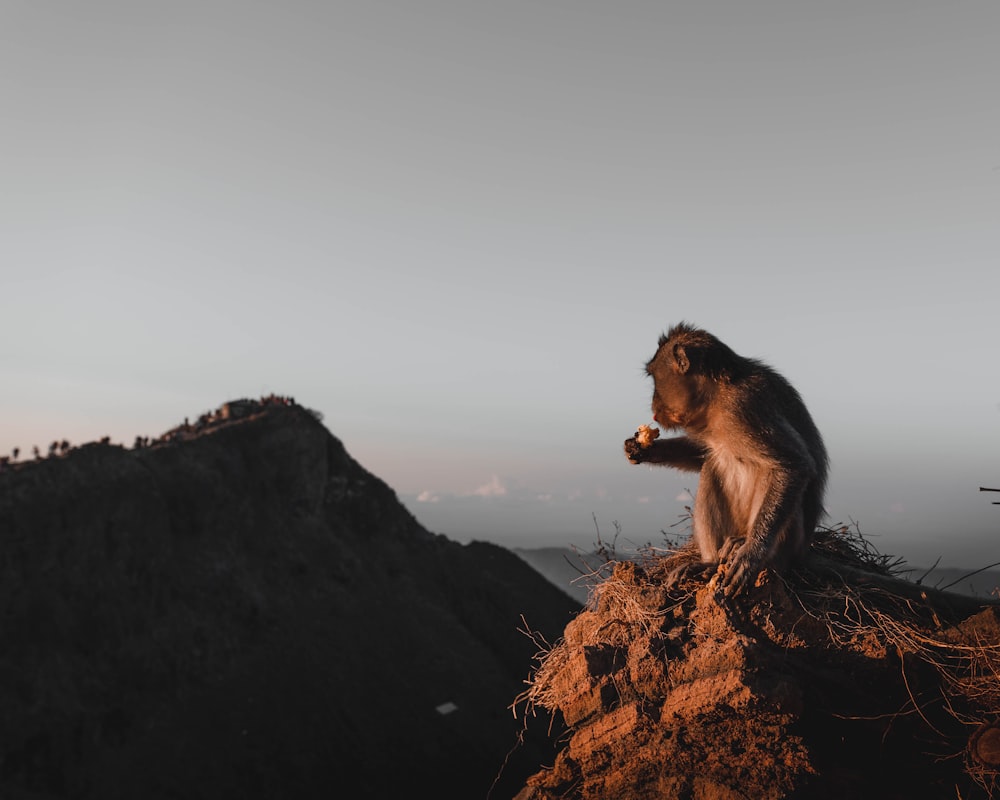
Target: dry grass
[(551, 659), (631, 605)]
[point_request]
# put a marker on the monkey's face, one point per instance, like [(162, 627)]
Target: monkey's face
[(676, 391)]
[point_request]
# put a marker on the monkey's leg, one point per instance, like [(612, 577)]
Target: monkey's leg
[(778, 518)]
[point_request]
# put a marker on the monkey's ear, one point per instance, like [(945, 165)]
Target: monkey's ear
[(680, 359)]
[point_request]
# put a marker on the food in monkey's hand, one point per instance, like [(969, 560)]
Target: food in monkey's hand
[(646, 434)]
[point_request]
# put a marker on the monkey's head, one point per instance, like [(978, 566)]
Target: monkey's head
[(686, 368)]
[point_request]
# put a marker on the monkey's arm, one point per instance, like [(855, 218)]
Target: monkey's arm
[(680, 452)]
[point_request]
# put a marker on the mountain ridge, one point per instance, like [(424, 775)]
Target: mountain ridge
[(239, 608)]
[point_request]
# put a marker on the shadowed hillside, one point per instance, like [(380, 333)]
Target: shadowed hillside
[(238, 609)]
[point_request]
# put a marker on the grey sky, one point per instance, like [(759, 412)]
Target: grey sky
[(457, 230)]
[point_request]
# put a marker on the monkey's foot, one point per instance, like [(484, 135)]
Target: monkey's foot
[(739, 567), (685, 571)]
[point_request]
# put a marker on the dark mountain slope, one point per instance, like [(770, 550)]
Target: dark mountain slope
[(241, 610)]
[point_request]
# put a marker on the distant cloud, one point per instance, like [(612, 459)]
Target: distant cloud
[(896, 508), (492, 489), (643, 499)]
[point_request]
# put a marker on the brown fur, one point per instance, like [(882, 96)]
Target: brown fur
[(762, 462)]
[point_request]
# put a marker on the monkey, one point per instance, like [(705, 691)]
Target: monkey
[(761, 460)]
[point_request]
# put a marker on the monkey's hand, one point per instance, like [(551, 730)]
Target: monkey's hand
[(641, 441), (633, 451)]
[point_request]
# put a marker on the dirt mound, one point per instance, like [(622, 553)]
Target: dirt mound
[(840, 681)]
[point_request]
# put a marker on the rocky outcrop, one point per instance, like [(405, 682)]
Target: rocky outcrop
[(837, 682), (239, 609)]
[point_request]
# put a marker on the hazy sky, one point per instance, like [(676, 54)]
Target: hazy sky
[(458, 228)]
